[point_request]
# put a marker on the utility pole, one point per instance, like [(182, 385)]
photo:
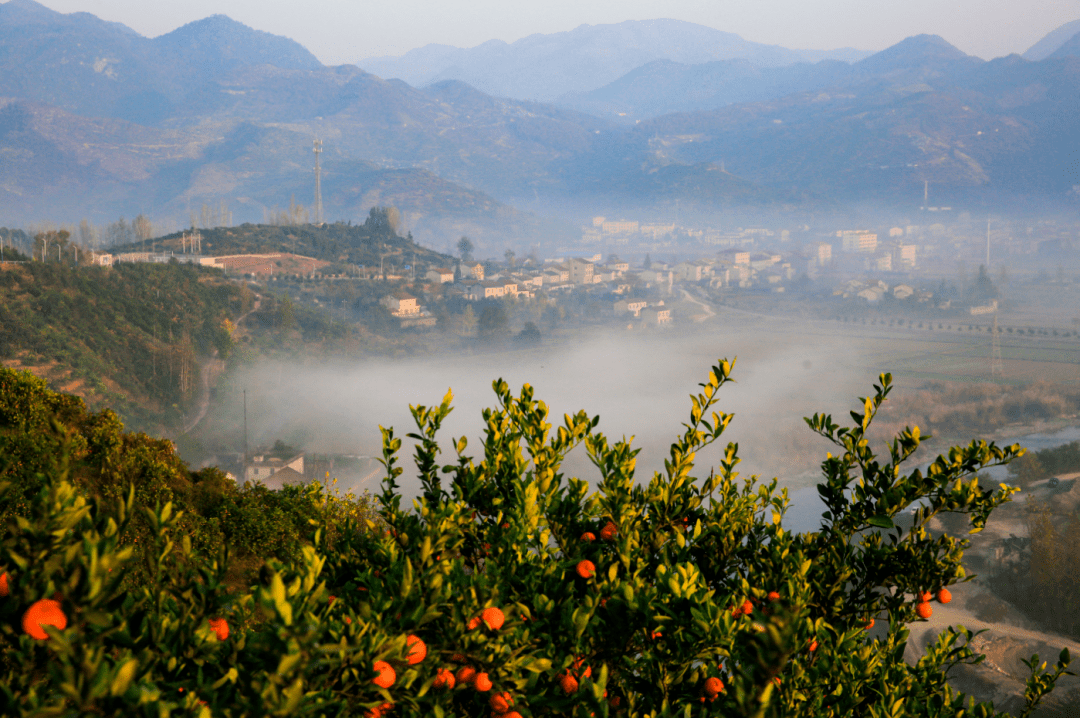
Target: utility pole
[(318, 183), (245, 434), (988, 244), (996, 366)]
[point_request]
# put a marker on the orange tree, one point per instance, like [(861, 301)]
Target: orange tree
[(511, 589)]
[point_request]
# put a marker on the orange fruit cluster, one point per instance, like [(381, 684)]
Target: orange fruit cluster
[(588, 536), (501, 702), (444, 679), (379, 711), (944, 595), (745, 609), (43, 612), (609, 532), (713, 686)]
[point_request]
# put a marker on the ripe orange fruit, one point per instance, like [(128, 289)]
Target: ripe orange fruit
[(501, 702), (482, 682), (386, 676), (577, 668), (568, 683), (417, 650), (655, 635), (924, 609), (466, 675), (221, 627), (944, 595), (776, 680), (493, 617), (713, 685), (773, 596), (511, 714), (609, 531), (924, 597), (588, 536), (332, 599), (348, 620), (586, 569), (747, 608), (44, 612), (4, 588), (813, 646), (443, 679), (869, 624), (378, 711), (474, 623)]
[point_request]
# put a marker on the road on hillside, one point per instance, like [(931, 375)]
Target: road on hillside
[(204, 377)]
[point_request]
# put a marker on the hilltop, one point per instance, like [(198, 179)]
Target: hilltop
[(340, 243)]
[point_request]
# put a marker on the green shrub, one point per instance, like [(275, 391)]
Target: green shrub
[(673, 559)]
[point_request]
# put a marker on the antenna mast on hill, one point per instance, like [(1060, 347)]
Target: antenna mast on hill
[(318, 183)]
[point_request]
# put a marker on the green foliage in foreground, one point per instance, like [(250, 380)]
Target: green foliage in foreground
[(507, 530), (39, 427)]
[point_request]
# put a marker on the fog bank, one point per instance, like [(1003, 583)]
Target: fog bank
[(639, 385)]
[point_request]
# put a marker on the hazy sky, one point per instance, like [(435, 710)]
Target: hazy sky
[(344, 31)]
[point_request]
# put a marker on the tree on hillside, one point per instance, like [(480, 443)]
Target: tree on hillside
[(383, 220), (465, 249), (142, 228), (510, 256), (493, 320)]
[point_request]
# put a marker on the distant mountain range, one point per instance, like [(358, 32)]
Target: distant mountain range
[(1047, 46), (104, 69), (546, 67), (97, 121), (663, 87)]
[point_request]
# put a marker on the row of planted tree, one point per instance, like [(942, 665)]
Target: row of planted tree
[(509, 589)]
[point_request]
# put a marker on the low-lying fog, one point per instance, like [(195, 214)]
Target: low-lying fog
[(639, 385)]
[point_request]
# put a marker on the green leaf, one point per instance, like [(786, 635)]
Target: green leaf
[(881, 522), (122, 680)]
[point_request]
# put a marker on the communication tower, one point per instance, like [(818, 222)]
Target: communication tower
[(318, 183)]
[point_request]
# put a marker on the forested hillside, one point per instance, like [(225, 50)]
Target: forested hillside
[(130, 335)]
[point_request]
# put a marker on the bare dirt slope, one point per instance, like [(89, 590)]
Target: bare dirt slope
[(1006, 642)]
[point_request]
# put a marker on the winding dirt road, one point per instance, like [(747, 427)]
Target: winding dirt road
[(204, 377)]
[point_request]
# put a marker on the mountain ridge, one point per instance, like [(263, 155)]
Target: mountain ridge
[(542, 67), (1052, 41)]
